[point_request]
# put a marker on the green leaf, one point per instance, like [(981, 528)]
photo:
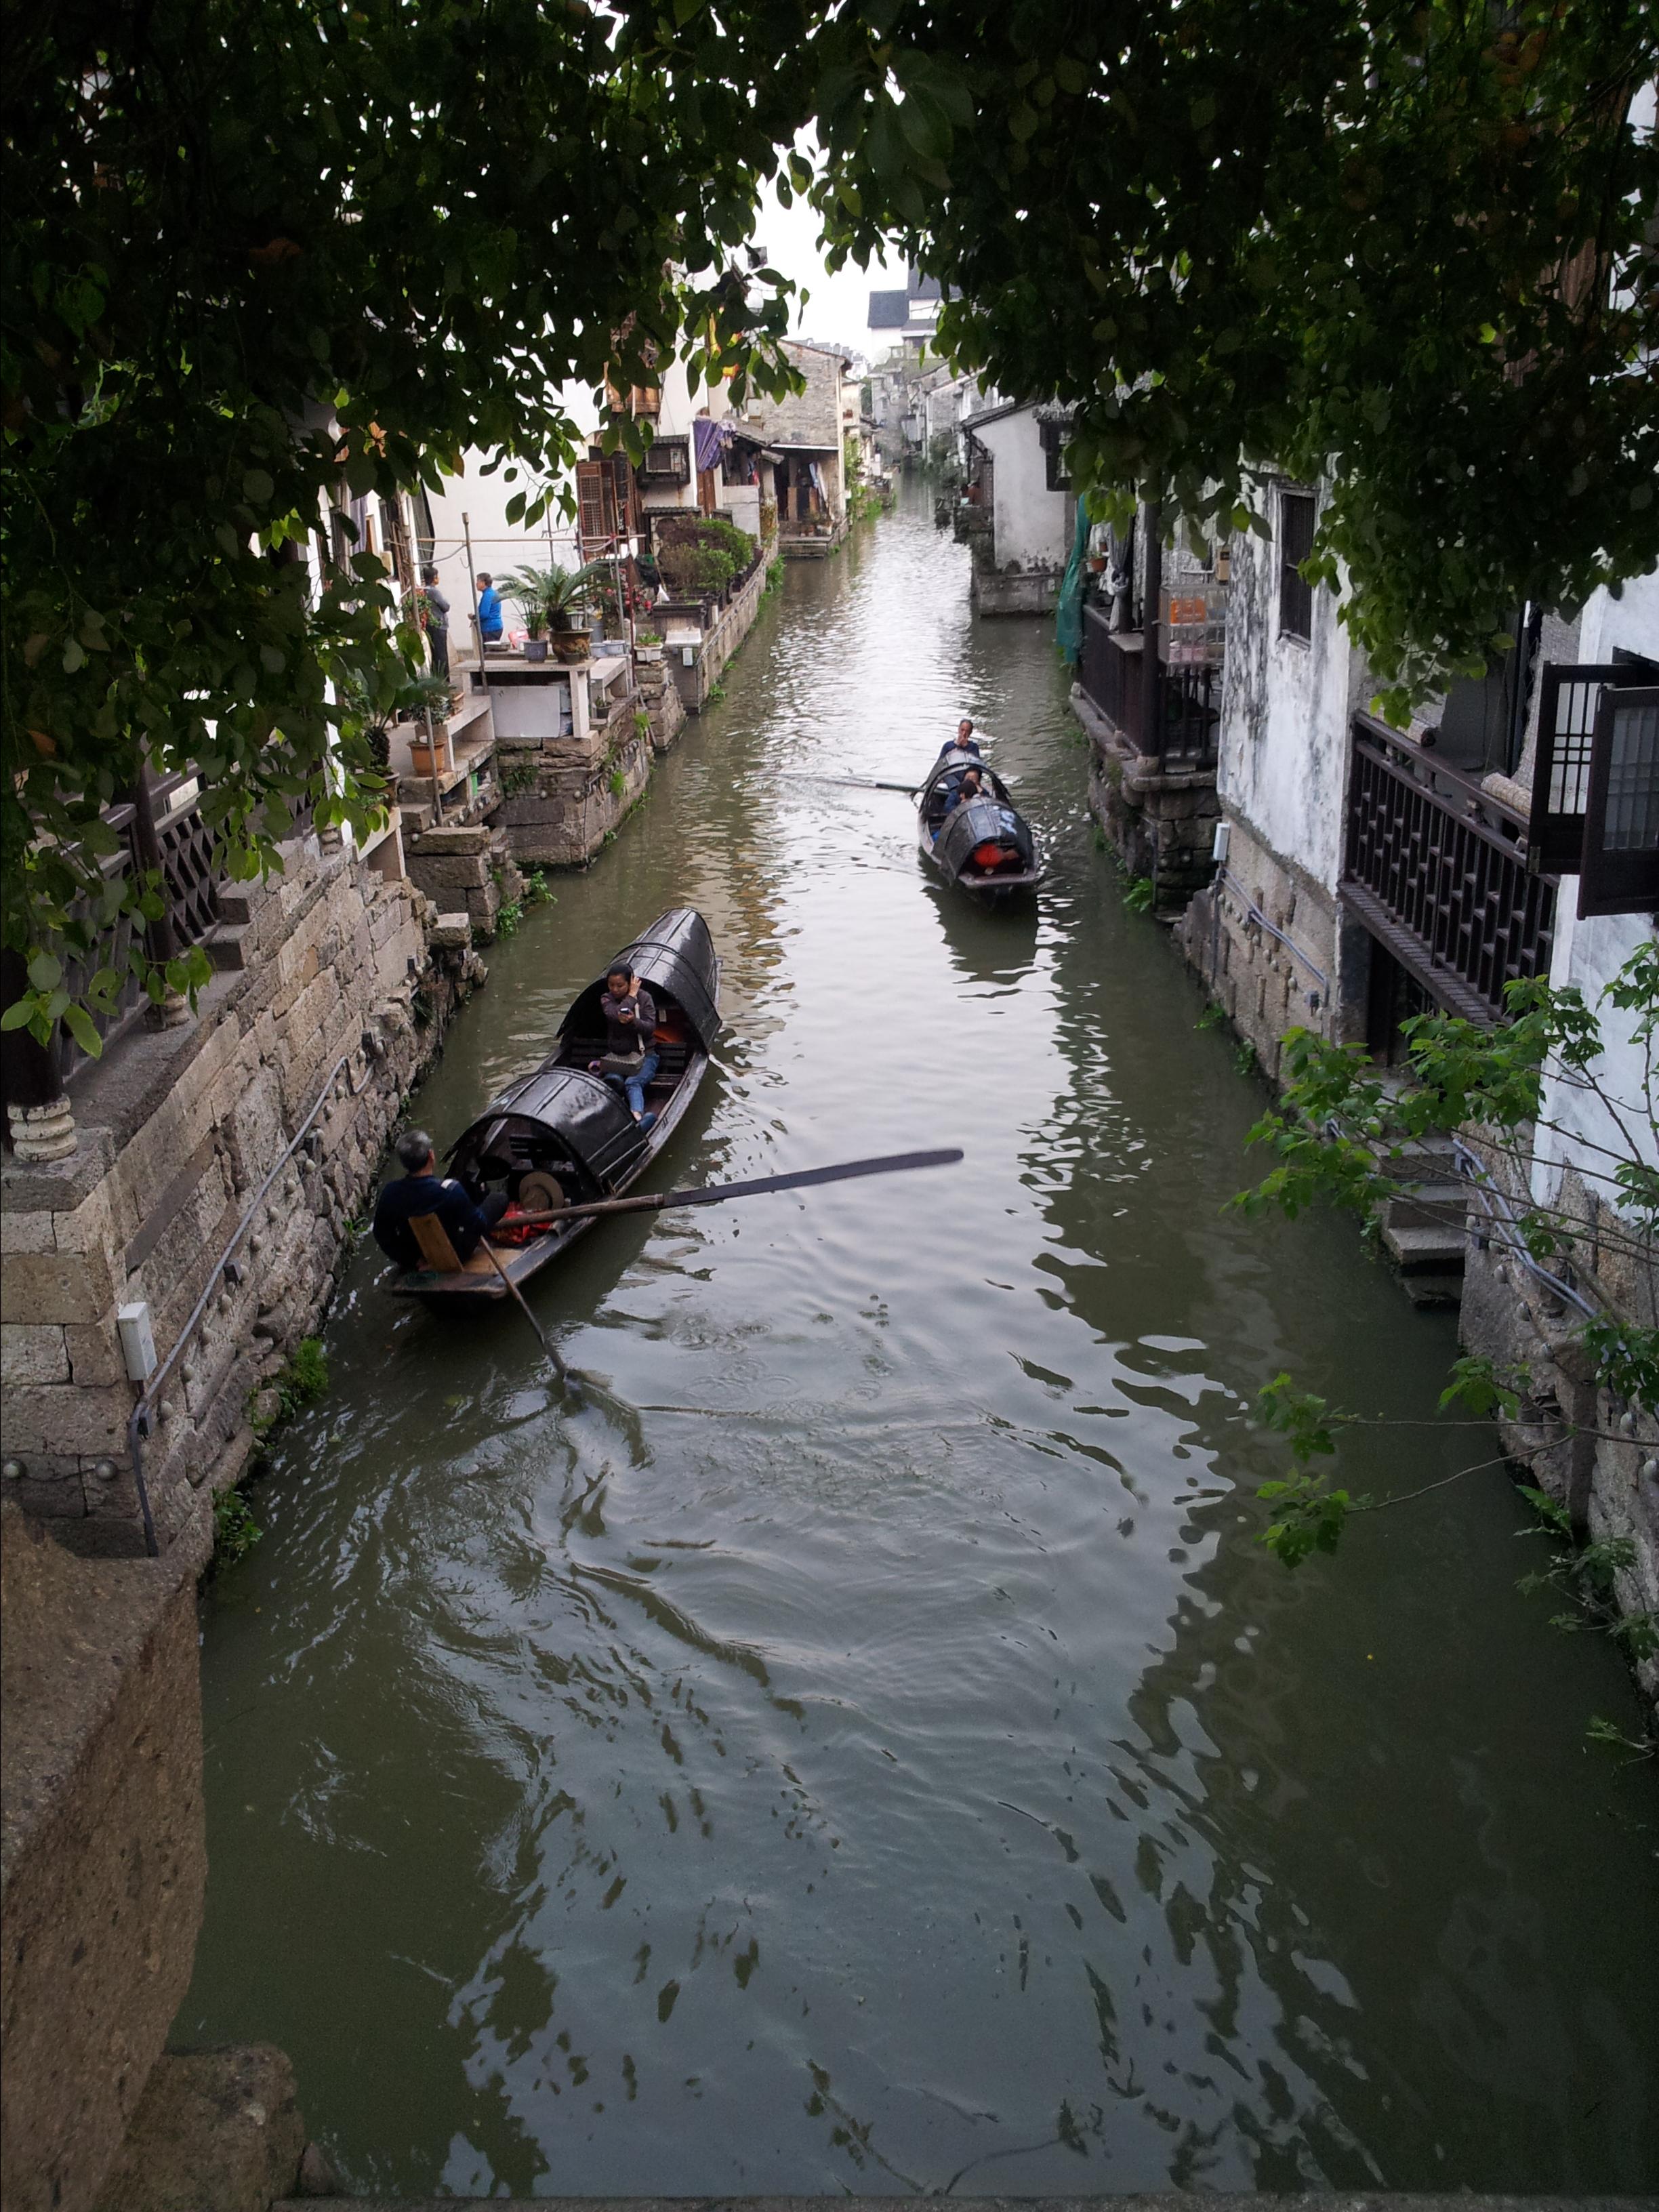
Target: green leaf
[(256, 486), (45, 971), (75, 656), (19, 1013), (82, 1027)]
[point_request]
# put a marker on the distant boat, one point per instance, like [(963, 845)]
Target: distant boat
[(566, 1137), (985, 844)]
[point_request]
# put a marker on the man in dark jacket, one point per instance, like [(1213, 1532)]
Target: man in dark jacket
[(419, 1190), (964, 742)]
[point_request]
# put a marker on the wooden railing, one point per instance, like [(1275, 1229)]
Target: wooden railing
[(1187, 700), (1437, 869), (184, 845)]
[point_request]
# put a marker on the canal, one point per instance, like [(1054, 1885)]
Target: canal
[(865, 1747)]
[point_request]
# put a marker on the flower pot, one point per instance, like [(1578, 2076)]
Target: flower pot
[(1096, 564), (569, 646), (535, 648), (432, 760)]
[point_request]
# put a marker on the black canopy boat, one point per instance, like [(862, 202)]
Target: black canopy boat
[(564, 1136), (985, 845)]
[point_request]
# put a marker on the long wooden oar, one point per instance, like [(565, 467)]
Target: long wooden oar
[(857, 783), (553, 1359), (715, 1193)]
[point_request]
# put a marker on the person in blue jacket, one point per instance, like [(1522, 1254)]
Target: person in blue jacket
[(490, 611), (420, 1189)]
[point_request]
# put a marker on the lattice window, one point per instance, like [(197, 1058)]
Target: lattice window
[(1298, 513), (1619, 861)]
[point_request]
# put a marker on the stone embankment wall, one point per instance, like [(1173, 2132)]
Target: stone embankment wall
[(468, 869), (1162, 824), (103, 1857), (1592, 1451), (337, 1007), (695, 679), (565, 795)]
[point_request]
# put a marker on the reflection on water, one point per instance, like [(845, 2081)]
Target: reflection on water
[(864, 1749)]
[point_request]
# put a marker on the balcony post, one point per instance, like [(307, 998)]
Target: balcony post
[(1152, 729), (160, 938), (42, 1122)]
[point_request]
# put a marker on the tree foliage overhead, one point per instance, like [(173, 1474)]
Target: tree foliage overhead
[(1407, 247), (256, 256), (250, 253)]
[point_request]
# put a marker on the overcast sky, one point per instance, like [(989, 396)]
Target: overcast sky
[(838, 310)]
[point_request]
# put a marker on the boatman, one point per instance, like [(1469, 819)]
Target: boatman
[(964, 742), (420, 1189)]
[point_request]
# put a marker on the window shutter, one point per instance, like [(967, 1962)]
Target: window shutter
[(591, 506), (1568, 700), (1619, 869), (623, 496)]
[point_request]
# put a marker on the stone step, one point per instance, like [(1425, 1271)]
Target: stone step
[(1434, 1287), (229, 947), (1423, 1250), (1428, 1206)]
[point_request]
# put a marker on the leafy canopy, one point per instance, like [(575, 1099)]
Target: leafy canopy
[(254, 258), (1398, 244)]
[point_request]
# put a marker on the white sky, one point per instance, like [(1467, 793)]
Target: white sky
[(838, 312)]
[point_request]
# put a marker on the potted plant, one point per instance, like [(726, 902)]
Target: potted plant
[(535, 625), (556, 593)]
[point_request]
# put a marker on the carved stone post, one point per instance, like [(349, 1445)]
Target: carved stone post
[(42, 1124)]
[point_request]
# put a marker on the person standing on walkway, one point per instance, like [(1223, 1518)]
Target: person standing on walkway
[(490, 611), (437, 621)]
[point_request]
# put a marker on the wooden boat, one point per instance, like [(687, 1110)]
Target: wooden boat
[(564, 1136), (986, 846)]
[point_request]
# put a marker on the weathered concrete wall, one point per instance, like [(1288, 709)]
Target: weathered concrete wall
[(811, 416), (102, 1850), (1034, 592), (582, 789), (1282, 760), (178, 1131), (1032, 524), (717, 645)]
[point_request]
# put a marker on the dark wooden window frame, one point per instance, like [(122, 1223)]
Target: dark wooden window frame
[(1299, 518), (1623, 767), (1053, 435), (1570, 695)]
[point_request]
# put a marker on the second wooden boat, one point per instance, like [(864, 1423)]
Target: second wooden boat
[(984, 844), (564, 1136)]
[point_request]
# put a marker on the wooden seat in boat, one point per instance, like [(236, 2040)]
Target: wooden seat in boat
[(439, 1254)]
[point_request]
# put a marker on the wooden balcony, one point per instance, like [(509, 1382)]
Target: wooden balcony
[(1180, 732), (1436, 868)]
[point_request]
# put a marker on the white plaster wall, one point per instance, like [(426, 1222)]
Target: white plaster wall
[(1589, 953), (1029, 519), (1283, 761)]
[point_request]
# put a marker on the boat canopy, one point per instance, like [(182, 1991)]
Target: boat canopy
[(982, 822), (676, 955), (556, 1113), (952, 764)]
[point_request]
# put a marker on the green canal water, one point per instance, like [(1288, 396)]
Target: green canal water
[(867, 1750)]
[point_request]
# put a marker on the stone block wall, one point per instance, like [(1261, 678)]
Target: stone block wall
[(1275, 950), (467, 871), (1161, 824), (1588, 1449), (661, 701), (340, 998), (102, 1852), (574, 803)]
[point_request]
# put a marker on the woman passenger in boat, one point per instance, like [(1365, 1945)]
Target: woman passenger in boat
[(970, 784), (630, 1029)]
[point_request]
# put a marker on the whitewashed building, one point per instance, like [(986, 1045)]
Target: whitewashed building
[(1017, 476)]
